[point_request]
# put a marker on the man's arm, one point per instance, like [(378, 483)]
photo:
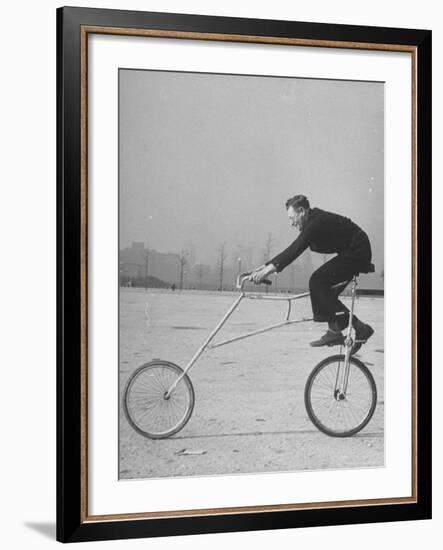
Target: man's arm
[(291, 253)]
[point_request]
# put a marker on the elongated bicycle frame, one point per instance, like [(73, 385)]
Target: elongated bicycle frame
[(341, 382), (241, 279)]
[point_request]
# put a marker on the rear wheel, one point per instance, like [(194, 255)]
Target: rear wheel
[(332, 411), (148, 407)]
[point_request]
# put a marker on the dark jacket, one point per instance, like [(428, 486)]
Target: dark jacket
[(328, 233)]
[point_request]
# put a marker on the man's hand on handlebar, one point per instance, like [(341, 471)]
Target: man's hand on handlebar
[(261, 273)]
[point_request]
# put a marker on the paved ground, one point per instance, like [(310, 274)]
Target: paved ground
[(249, 413)]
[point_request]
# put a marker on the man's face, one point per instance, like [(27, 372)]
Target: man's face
[(296, 217)]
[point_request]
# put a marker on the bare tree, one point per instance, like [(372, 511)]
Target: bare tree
[(221, 263), (200, 275), (293, 277), (267, 251), (191, 254), (146, 257), (182, 262)]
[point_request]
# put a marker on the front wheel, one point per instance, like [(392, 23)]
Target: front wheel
[(335, 412), (149, 409)]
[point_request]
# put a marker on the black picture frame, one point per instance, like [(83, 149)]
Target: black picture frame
[(73, 523)]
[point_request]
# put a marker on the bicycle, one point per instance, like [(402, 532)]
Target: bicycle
[(159, 397)]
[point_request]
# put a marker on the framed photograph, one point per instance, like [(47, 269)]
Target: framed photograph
[(244, 271)]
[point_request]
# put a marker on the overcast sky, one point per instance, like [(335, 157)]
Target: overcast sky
[(208, 158)]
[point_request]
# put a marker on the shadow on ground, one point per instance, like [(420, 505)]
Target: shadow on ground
[(45, 529)]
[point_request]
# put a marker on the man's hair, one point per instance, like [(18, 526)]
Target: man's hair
[(298, 201)]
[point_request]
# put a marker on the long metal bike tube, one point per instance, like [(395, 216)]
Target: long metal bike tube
[(348, 342), (205, 344), (287, 321), (255, 332)]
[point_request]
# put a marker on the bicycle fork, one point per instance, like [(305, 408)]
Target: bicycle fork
[(341, 382)]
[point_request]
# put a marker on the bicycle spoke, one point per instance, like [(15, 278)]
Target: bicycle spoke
[(147, 406), (339, 414)]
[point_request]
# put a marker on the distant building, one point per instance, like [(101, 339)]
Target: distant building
[(132, 261), (138, 261)]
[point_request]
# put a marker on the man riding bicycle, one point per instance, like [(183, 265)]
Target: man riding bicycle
[(326, 233)]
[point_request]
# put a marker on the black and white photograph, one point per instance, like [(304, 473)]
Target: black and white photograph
[(218, 308), (251, 274)]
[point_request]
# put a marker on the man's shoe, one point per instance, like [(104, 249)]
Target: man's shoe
[(329, 339), (363, 333)]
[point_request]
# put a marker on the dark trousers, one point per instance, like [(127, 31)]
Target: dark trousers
[(341, 268)]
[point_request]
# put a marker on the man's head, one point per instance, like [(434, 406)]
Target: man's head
[(298, 209)]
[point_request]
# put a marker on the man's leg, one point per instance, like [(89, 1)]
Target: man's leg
[(324, 297), (325, 289)]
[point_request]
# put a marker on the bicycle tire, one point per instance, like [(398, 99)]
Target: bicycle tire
[(356, 366), (146, 389)]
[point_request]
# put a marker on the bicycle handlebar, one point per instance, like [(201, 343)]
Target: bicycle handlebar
[(246, 276)]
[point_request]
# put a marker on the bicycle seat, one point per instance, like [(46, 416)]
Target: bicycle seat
[(339, 287), (370, 268)]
